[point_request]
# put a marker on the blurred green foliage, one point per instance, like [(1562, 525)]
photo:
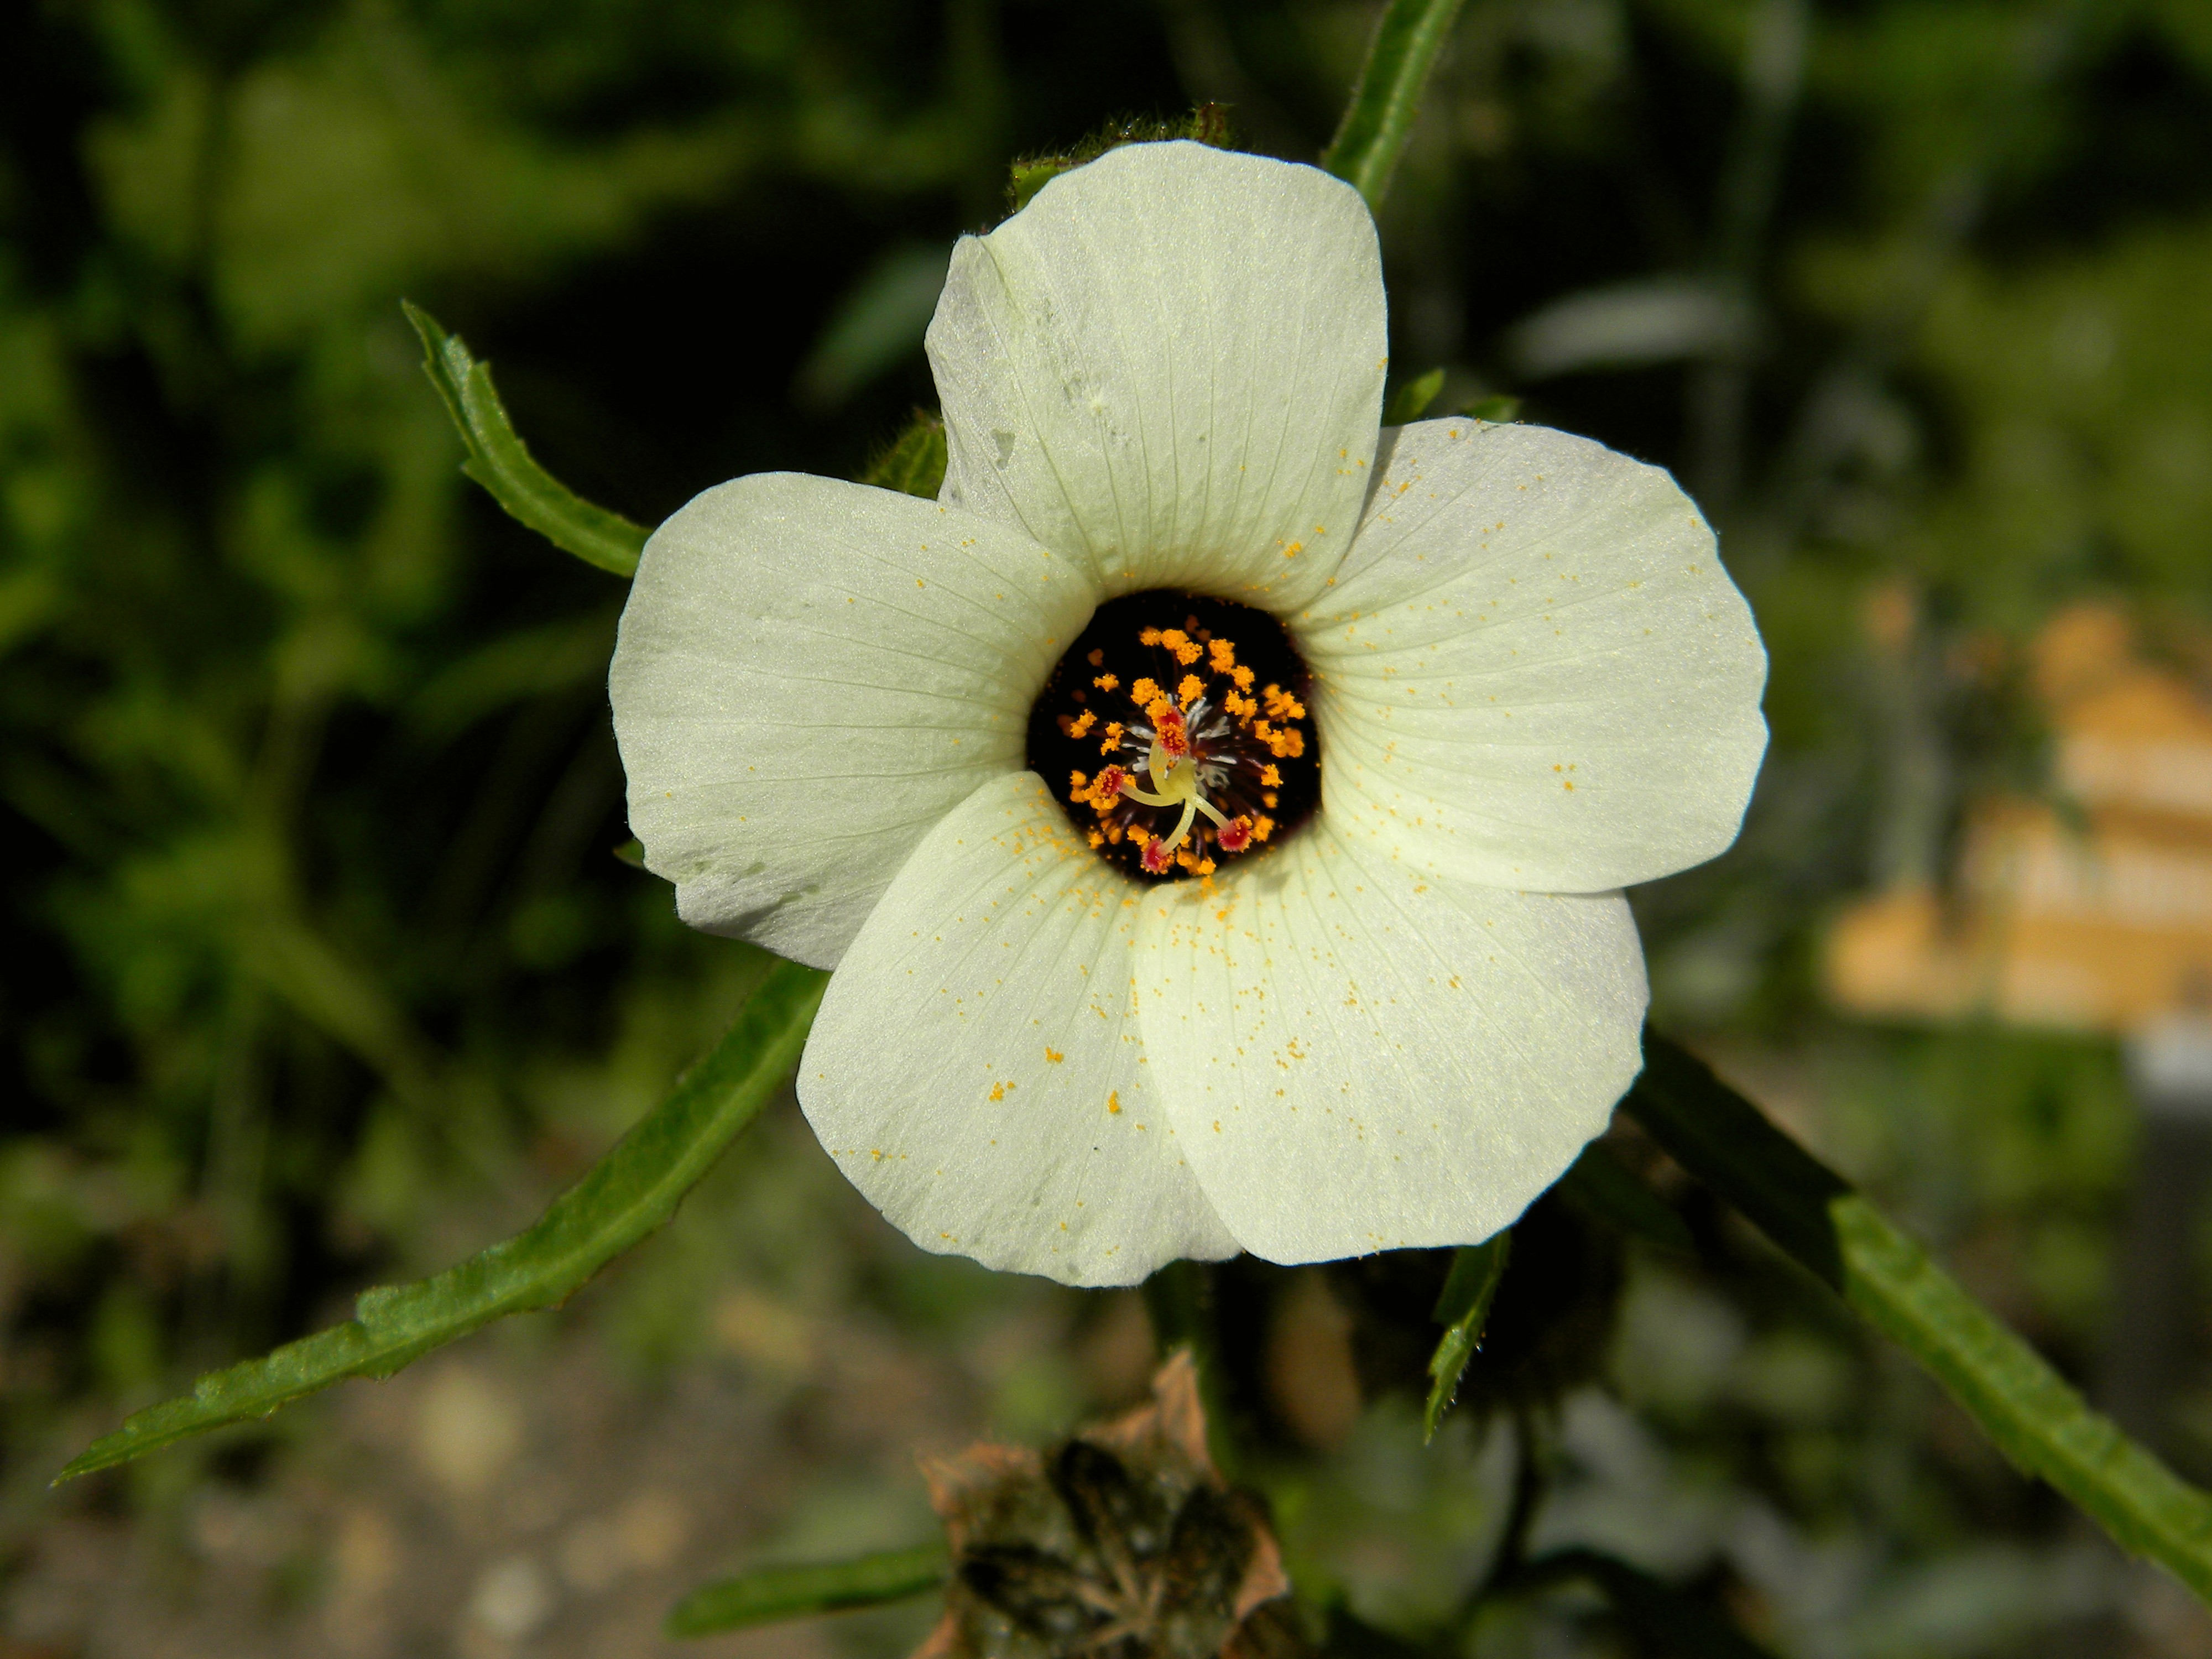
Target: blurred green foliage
[(318, 967)]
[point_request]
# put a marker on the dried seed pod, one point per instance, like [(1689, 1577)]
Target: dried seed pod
[(1122, 1542)]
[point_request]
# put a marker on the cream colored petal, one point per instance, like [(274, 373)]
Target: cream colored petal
[(1171, 364), (1359, 1056), (1533, 669), (976, 1069), (809, 675)]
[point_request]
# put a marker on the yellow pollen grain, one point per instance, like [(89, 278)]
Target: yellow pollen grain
[(1096, 656), (1145, 692), (1080, 727), (1053, 1055), (1241, 706), (1095, 838), (1221, 655), (1242, 677), (1106, 682), (1159, 708), (1150, 636), (1270, 778), (1078, 785), (1262, 827), (1113, 1103), (1191, 689), (1282, 705), (1112, 740), (1291, 550), (998, 1091)]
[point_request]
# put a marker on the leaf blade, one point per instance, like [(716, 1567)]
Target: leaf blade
[(2032, 1414), (773, 1593), (1387, 94), (499, 460), (1411, 401), (1462, 1306), (627, 1195)]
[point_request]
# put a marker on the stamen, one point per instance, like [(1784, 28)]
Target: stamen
[(1195, 744)]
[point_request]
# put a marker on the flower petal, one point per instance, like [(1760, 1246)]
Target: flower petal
[(1534, 670), (1357, 1057), (976, 1069), (809, 675), (1171, 362)]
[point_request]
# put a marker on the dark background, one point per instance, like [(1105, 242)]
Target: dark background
[(317, 971)]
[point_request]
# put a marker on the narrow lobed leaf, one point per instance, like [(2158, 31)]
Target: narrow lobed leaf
[(772, 1593), (500, 461), (1387, 94), (1462, 1306), (1411, 401), (626, 1195), (2033, 1415)]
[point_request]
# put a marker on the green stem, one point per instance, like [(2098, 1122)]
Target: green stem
[(2034, 1416), (1180, 1298), (1387, 94)]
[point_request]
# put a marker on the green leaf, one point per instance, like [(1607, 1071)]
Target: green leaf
[(2038, 1421), (1662, 1621), (1387, 94), (915, 463), (773, 1593), (1604, 1189), (1500, 407), (1461, 1307), (632, 852), (499, 460), (1411, 401), (626, 1195)]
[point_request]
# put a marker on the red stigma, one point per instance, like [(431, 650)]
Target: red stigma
[(1155, 858), (1173, 736), (1108, 784), (1235, 834)]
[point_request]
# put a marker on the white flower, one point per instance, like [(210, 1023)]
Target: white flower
[(1393, 1024)]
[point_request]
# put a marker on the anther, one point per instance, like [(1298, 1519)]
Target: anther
[(1192, 773)]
